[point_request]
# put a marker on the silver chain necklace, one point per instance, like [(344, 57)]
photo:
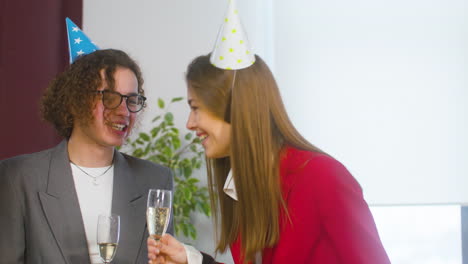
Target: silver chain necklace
[(93, 177)]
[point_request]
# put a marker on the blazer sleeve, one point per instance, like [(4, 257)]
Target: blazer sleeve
[(12, 238), (207, 259), (345, 214), (326, 201)]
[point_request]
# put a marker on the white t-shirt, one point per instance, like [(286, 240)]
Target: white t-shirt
[(95, 198)]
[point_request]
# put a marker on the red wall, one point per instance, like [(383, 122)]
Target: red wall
[(33, 49)]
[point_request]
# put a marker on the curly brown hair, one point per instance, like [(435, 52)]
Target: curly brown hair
[(71, 95)]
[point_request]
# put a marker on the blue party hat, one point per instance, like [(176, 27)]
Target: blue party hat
[(78, 43)]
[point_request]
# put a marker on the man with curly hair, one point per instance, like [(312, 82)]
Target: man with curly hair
[(50, 200)]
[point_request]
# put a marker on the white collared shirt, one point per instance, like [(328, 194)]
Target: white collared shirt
[(230, 187)]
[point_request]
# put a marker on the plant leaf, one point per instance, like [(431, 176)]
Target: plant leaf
[(156, 118), (161, 103), (145, 136), (187, 171), (192, 180), (155, 131), (169, 117), (176, 99), (175, 130)]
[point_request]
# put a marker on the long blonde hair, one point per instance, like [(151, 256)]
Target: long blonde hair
[(260, 127)]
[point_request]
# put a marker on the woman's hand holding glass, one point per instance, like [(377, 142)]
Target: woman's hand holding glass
[(167, 250)]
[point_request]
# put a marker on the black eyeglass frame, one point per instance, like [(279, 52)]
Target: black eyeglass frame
[(102, 92)]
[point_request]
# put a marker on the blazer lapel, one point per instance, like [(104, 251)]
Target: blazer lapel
[(62, 209), (128, 201)]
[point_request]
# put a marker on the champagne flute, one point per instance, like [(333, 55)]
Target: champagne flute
[(108, 233), (158, 212)]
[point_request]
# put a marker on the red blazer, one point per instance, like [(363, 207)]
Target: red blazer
[(330, 221)]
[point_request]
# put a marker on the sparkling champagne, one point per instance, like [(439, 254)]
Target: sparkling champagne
[(107, 251), (158, 220)]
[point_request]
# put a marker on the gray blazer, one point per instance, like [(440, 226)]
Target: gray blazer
[(40, 217)]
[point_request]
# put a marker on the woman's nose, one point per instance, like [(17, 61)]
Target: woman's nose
[(190, 122)]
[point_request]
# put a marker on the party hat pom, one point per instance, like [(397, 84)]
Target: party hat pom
[(232, 50), (78, 43)]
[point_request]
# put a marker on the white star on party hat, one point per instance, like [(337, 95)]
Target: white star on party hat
[(232, 50), (78, 43)]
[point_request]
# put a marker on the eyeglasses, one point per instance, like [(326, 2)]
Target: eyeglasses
[(112, 100)]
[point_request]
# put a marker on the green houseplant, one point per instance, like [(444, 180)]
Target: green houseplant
[(164, 144)]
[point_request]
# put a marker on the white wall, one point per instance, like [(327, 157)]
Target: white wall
[(382, 86)]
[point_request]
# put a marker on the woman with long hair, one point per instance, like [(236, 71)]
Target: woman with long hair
[(275, 197)]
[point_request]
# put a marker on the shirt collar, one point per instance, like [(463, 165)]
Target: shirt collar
[(229, 186)]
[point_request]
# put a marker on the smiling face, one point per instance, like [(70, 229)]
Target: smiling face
[(214, 132), (109, 127)]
